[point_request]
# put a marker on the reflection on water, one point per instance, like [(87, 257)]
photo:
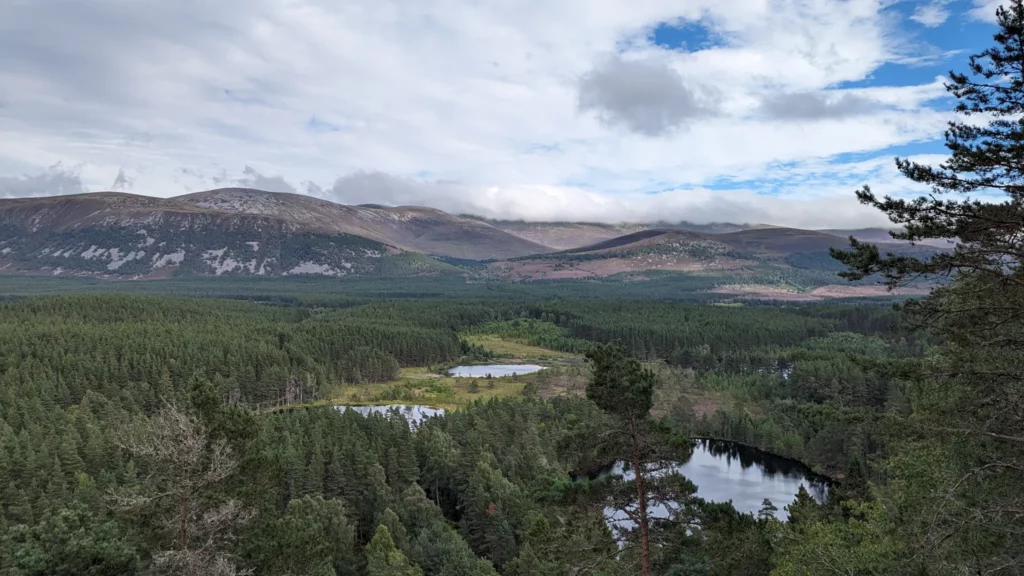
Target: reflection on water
[(414, 413), (724, 471), (493, 370)]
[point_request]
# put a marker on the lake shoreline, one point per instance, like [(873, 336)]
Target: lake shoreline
[(726, 471)]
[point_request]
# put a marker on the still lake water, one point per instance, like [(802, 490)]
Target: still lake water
[(725, 471), (495, 370)]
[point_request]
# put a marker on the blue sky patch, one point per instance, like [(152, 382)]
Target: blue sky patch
[(940, 48), (903, 151), (683, 35)]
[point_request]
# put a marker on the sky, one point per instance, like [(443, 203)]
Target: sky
[(758, 111)]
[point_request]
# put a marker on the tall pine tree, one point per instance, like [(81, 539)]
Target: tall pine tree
[(959, 476)]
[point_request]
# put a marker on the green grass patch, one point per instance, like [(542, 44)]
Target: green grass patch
[(538, 334), (504, 348), (419, 386)]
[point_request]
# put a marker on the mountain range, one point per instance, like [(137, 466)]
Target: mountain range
[(239, 231)]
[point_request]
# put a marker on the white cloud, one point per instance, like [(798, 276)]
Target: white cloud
[(816, 106), (172, 97), (54, 181), (931, 14), (252, 178), (645, 96), (985, 10), (813, 195)]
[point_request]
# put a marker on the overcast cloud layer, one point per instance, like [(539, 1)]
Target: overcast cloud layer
[(761, 111)]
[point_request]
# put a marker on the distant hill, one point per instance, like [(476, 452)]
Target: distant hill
[(567, 235), (781, 241), (736, 254), (620, 242), (235, 231), (562, 235), (709, 228), (881, 235), (645, 250), (239, 231), (415, 228)]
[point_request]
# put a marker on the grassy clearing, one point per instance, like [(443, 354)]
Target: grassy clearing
[(503, 348), (565, 375), (419, 385)]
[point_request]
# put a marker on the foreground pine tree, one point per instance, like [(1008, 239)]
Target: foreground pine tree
[(958, 479), (986, 149), (624, 388)]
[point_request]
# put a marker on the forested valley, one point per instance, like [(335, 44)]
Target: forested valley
[(102, 394), (198, 435), (198, 427)]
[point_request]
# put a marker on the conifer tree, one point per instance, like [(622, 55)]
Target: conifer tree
[(964, 440), (621, 386), (187, 464), (70, 541), (399, 535), (804, 508), (384, 559), (986, 157)]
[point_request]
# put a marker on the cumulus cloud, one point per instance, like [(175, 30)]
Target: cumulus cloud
[(985, 10), (252, 178), (54, 181), (382, 188), (931, 14), (816, 106), (645, 96)]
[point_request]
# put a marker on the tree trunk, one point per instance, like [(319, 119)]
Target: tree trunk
[(183, 527), (641, 496)]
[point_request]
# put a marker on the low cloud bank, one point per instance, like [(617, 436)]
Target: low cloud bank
[(555, 203)]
